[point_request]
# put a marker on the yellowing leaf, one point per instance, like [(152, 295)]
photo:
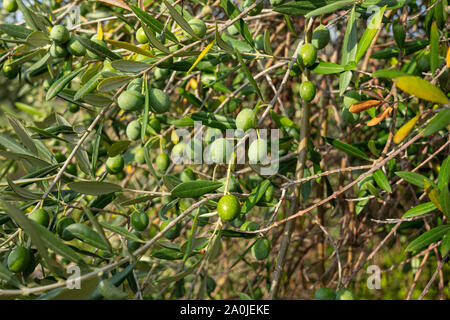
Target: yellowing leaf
[(433, 194), (405, 129), (99, 31), (202, 54), (130, 47), (420, 88), (379, 117), (448, 57), (364, 105)]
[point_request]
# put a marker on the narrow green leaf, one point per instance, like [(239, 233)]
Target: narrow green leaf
[(88, 87), (23, 134), (24, 193), (434, 47), (59, 84), (267, 45), (112, 83), (248, 74), (87, 235), (428, 237), (130, 47), (347, 148), (444, 200), (98, 49), (369, 34), (193, 189), (256, 195), (444, 173), (97, 226), (420, 209), (130, 65), (153, 23), (414, 178), (332, 7), (439, 121), (94, 187), (122, 231), (232, 12), (15, 31), (214, 121), (118, 147), (179, 19), (324, 67), (382, 181)]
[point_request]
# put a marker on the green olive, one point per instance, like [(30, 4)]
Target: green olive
[(307, 55), (115, 164), (59, 34), (130, 100), (134, 130), (320, 37)]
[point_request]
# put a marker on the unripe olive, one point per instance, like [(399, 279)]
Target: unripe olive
[(10, 5), (159, 101), (75, 47), (307, 55), (250, 226), (220, 150), (424, 62), (246, 119), (19, 259), (187, 175), (72, 169), (10, 71), (115, 164), (73, 108), (257, 152), (324, 294), (261, 249), (307, 91), (134, 130), (160, 73), (173, 232), (57, 51), (141, 37), (135, 85), (320, 37), (130, 100), (162, 161), (344, 294), (139, 220), (228, 207), (198, 26), (61, 226), (212, 134), (194, 149), (139, 156), (59, 34), (41, 217)]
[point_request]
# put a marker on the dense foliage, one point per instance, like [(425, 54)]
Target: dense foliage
[(121, 129)]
